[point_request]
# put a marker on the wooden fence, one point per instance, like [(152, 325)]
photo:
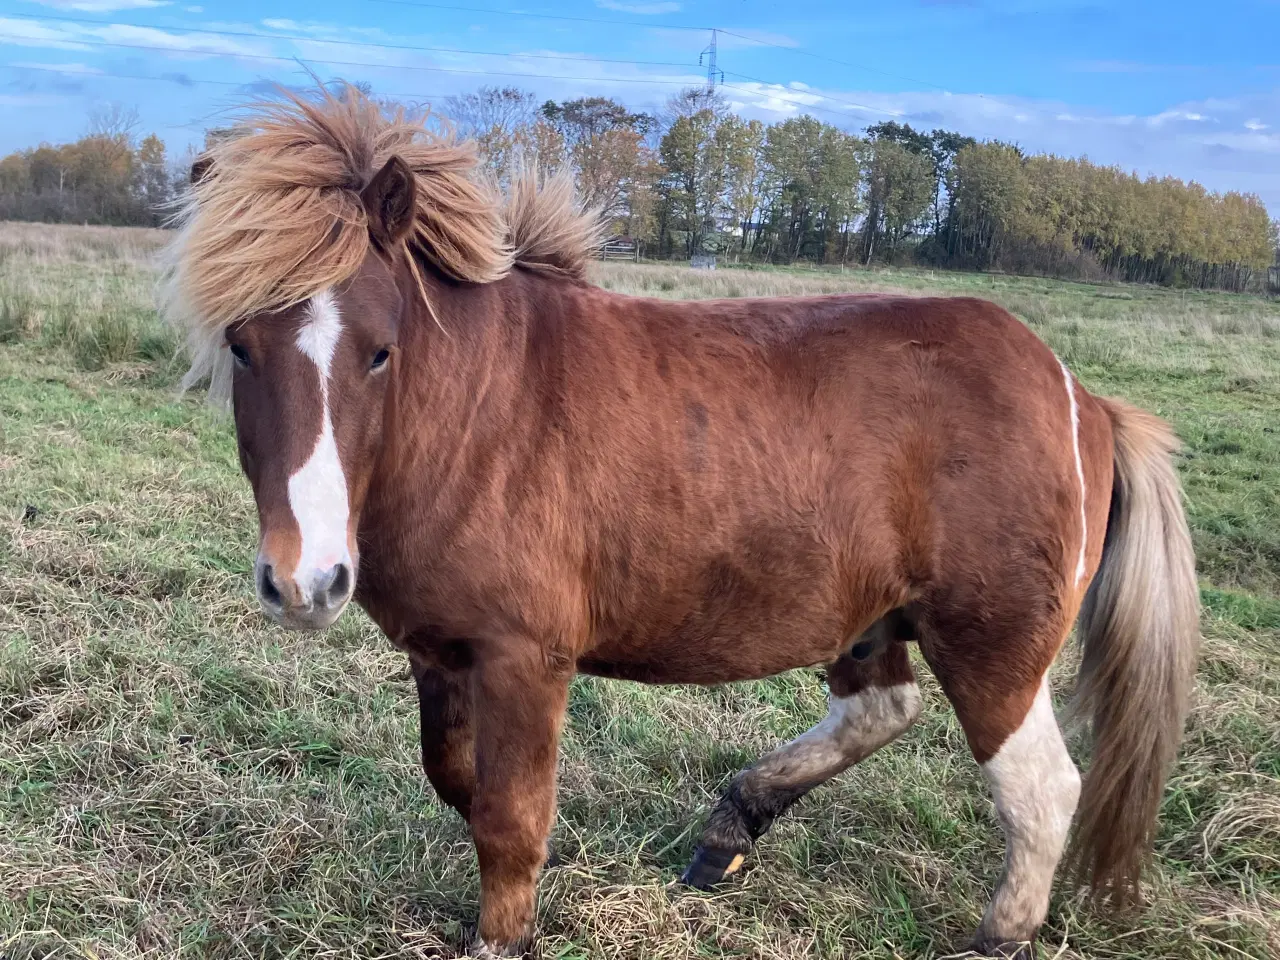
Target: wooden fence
[(620, 248)]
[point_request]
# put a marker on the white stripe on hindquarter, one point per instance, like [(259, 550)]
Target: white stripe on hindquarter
[(318, 490), (1075, 446)]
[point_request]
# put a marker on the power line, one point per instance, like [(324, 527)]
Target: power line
[(711, 67), (542, 16), (196, 31), (219, 83), (236, 83), (662, 26), (820, 56), (399, 96), (49, 68), (133, 76), (487, 53), (384, 66), (233, 83), (507, 13)]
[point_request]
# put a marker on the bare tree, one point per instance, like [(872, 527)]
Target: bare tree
[(502, 121), (114, 121), (691, 101), (491, 108)]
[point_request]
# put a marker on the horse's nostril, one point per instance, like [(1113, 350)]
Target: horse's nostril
[(267, 590), (339, 584)]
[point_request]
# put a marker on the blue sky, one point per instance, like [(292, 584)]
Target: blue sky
[(1164, 88)]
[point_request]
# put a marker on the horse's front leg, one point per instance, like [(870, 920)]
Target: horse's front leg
[(519, 695), (448, 735)]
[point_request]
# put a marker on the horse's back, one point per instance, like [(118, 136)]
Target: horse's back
[(778, 473)]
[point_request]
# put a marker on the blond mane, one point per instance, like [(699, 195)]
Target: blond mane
[(276, 215)]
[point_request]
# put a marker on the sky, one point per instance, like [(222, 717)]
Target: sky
[(1160, 88)]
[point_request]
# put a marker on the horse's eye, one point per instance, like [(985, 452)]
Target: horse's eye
[(241, 356), (380, 359)]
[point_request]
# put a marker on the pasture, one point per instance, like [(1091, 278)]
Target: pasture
[(180, 778)]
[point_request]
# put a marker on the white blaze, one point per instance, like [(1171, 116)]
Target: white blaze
[(1075, 446), (318, 490)]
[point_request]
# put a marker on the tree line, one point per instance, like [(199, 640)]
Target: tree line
[(108, 176), (696, 178)]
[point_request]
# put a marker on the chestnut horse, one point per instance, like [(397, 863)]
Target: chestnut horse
[(521, 476)]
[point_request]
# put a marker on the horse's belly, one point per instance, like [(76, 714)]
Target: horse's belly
[(718, 658)]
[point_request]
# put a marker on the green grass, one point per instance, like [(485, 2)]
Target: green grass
[(180, 779)]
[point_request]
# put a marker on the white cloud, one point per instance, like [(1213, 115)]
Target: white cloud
[(69, 36), (640, 9), (1167, 115), (1225, 144), (794, 98), (77, 68), (328, 31), (1110, 66), (1129, 66), (29, 99), (101, 6), (737, 39)]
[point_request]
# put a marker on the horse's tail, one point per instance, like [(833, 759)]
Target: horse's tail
[(1139, 633)]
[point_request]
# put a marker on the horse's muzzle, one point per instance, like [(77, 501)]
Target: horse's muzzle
[(309, 600)]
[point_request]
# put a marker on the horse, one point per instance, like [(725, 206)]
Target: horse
[(520, 476)]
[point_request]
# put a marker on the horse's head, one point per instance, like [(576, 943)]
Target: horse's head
[(309, 388), (307, 243)]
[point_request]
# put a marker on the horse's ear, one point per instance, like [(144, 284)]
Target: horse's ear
[(201, 168), (389, 199)]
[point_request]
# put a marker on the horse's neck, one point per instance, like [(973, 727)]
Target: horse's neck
[(460, 388)]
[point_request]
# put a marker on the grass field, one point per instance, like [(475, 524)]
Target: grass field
[(180, 779)]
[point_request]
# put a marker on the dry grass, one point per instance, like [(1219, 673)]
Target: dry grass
[(87, 289), (178, 778)]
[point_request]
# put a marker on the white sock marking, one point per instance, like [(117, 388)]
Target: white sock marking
[(1036, 787), (318, 490), (1075, 445), (854, 728)]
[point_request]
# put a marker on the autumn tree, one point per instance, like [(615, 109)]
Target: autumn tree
[(739, 146), (900, 189), (605, 143), (697, 178), (990, 192), (693, 184), (505, 124), (153, 175), (812, 173), (100, 178)]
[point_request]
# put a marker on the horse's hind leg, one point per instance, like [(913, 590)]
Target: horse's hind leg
[(873, 701), (999, 688)]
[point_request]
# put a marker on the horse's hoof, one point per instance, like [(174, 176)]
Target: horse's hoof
[(483, 951), (1008, 950), (554, 857), (710, 866)]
